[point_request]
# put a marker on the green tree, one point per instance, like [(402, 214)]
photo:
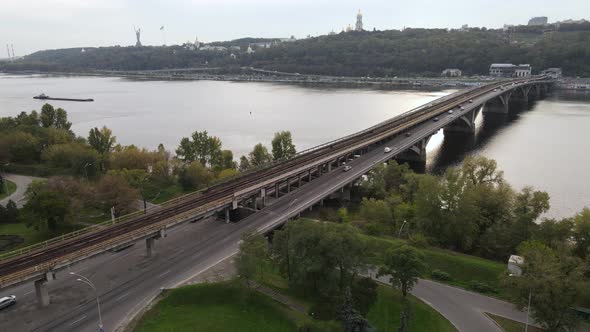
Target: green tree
[(244, 164), (282, 145), (113, 191), (581, 234), (47, 208), (81, 159), (202, 147), (529, 205), (51, 117), (553, 281), (252, 257), (377, 214), (554, 233), (195, 176), (404, 265), (20, 147), (259, 156), (101, 140)]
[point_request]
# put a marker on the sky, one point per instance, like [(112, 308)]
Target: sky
[(32, 25)]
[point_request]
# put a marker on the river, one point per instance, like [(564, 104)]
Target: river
[(545, 146)]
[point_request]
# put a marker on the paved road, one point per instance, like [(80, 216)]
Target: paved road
[(22, 183)]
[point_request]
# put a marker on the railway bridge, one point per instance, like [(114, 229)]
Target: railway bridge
[(406, 135)]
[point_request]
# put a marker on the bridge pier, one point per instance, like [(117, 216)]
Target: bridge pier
[(149, 246), (499, 104), (464, 124), (227, 216), (42, 293)]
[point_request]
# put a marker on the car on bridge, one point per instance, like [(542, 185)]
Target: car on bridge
[(347, 168), (387, 149), (408, 134), (450, 111), (7, 301), (435, 119)]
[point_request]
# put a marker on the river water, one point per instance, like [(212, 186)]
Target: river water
[(545, 145)]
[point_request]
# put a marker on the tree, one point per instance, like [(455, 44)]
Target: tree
[(11, 212), (19, 146), (259, 156), (102, 140), (553, 282), (252, 257), (529, 205), (244, 164), (581, 233), (47, 207), (195, 176), (203, 148), (114, 191), (351, 318), (81, 159), (282, 145), (404, 265), (377, 214), (554, 233), (51, 117)]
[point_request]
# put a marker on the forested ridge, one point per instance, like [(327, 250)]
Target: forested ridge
[(411, 52)]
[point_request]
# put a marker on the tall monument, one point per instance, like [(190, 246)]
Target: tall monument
[(137, 36), (359, 21)]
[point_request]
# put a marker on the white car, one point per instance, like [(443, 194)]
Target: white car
[(347, 168), (7, 301), (450, 111), (387, 149)]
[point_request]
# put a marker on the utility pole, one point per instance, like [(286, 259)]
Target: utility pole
[(8, 50), (12, 46)]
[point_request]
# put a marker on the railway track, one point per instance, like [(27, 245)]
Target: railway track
[(223, 194)]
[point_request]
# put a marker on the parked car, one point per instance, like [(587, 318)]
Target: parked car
[(435, 119), (347, 168), (387, 149), (450, 111), (471, 100), (7, 301)]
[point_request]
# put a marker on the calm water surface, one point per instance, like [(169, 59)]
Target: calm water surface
[(545, 146)]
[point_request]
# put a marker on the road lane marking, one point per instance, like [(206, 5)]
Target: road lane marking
[(163, 274), (27, 293), (121, 297), (77, 321)]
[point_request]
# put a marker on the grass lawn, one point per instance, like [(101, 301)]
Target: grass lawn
[(11, 186), (508, 325), (31, 235), (385, 313), (218, 307), (157, 195), (463, 269)]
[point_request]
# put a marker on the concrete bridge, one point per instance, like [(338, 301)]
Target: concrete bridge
[(316, 173)]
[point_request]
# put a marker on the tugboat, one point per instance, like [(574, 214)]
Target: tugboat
[(45, 97)]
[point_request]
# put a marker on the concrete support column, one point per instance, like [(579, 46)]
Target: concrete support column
[(329, 166), (42, 293), (288, 185), (298, 181), (255, 202), (309, 176), (149, 246), (227, 219), (277, 190), (321, 203)]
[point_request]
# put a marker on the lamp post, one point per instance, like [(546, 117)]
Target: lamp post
[(87, 281), (85, 171), (400, 229), (515, 270)]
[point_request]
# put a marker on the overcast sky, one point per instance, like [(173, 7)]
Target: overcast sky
[(33, 25)]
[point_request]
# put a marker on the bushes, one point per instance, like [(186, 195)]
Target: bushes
[(79, 158), (481, 287), (440, 275)]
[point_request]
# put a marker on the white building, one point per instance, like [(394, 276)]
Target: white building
[(541, 20), (510, 70), (250, 50), (213, 48), (452, 72), (554, 73)]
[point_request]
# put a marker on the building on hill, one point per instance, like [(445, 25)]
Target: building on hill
[(359, 21), (453, 72), (213, 48), (554, 73), (249, 50), (510, 70), (541, 20)]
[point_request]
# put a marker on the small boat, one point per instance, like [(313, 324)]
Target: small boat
[(46, 97)]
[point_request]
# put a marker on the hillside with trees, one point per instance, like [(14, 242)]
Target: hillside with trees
[(411, 52)]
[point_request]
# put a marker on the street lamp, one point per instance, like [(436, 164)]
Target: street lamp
[(515, 270), (85, 171), (400, 229), (87, 281)]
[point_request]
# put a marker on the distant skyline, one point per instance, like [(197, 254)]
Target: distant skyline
[(33, 25)]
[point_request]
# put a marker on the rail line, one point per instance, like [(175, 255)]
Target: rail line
[(220, 195)]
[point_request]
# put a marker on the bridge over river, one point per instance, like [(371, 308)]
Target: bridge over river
[(276, 192)]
